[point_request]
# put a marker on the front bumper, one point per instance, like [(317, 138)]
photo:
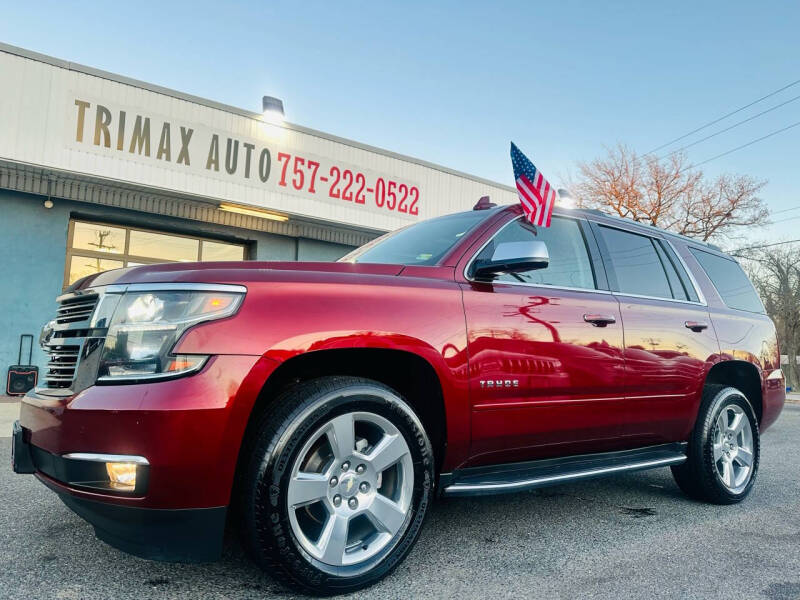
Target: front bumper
[(185, 535), (178, 535), (189, 430)]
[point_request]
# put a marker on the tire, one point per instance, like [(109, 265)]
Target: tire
[(305, 543), (715, 442)]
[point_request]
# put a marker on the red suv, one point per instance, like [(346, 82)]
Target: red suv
[(325, 405)]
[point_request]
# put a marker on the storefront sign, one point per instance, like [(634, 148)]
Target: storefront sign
[(261, 161), (83, 123)]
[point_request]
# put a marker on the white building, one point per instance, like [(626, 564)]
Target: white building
[(98, 171)]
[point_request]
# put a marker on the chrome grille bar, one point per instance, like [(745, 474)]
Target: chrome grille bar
[(66, 343), (76, 309)]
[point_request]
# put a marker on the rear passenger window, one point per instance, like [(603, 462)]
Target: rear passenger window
[(675, 283), (680, 270), (730, 280), (637, 265)]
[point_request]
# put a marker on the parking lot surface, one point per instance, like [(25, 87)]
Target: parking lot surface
[(629, 536)]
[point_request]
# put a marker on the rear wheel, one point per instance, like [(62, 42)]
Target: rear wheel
[(338, 482), (724, 449)]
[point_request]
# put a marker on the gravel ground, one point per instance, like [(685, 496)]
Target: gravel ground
[(630, 536)]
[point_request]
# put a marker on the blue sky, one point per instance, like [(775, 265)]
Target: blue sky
[(453, 82)]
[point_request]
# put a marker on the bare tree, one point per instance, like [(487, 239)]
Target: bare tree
[(775, 271), (670, 194)]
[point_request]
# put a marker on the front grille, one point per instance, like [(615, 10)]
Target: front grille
[(62, 365), (66, 342), (76, 309)]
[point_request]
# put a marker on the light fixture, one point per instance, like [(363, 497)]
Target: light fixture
[(253, 212), (565, 199), (272, 109), (48, 203), (122, 475)]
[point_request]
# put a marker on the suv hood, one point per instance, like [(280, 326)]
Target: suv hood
[(230, 272)]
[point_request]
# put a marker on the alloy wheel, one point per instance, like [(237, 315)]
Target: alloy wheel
[(733, 448), (350, 489)]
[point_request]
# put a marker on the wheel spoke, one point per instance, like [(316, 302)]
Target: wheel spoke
[(738, 422), (722, 422), (306, 488), (333, 541), (386, 515), (388, 451), (727, 473), (342, 436), (744, 457)]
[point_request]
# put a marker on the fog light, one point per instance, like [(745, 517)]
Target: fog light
[(122, 475)]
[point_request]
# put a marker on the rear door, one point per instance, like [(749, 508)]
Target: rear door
[(545, 379), (669, 339)]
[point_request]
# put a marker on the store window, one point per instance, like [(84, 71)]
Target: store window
[(95, 247)]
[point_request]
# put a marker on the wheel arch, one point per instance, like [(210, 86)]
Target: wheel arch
[(742, 375), (411, 375)]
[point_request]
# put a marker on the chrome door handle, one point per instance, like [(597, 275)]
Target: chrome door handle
[(696, 326), (599, 320)]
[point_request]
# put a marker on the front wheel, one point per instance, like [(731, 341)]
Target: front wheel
[(339, 479), (724, 450)]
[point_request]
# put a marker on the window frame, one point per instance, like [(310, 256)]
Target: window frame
[(592, 251), (689, 282), (125, 257)]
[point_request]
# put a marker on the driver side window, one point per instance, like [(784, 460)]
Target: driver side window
[(570, 265)]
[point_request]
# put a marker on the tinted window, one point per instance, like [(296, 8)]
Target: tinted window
[(732, 284), (680, 271), (637, 265), (675, 283), (423, 243), (569, 259)]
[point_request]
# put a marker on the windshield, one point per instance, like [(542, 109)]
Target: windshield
[(423, 243)]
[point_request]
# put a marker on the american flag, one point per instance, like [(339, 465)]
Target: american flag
[(536, 194)]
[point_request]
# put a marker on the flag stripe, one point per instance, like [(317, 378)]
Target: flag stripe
[(527, 197), (545, 203), (527, 203), (537, 197)]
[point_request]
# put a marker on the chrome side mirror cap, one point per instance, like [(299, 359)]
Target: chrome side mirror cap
[(513, 257)]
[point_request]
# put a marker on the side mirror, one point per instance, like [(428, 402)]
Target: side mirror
[(513, 257)]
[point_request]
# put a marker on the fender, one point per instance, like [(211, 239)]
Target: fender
[(753, 341), (285, 318)]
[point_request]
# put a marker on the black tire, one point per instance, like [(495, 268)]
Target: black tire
[(698, 476), (275, 443)]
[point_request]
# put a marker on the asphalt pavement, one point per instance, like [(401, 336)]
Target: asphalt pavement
[(9, 412), (629, 536)]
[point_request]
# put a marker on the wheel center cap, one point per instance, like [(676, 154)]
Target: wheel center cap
[(348, 483)]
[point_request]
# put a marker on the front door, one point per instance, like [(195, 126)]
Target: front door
[(545, 351)]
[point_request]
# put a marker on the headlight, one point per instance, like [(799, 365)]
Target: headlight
[(146, 326)]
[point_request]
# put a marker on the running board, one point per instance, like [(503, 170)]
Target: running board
[(515, 477)]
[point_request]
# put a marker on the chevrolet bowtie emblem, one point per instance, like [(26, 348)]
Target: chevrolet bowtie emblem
[(46, 333)]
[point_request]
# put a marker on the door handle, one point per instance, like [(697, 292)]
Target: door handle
[(599, 320), (696, 326)]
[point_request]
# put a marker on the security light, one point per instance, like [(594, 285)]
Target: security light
[(273, 109)]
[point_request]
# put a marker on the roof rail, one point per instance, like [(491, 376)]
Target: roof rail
[(597, 211)]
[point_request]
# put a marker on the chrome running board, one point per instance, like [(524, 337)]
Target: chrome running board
[(515, 477)]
